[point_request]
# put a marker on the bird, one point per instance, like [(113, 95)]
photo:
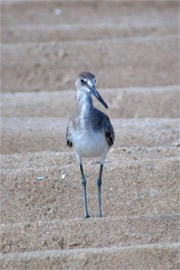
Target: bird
[(89, 132)]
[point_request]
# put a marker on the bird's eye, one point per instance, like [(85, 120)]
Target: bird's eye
[(83, 81)]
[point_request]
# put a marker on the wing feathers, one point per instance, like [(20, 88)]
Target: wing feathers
[(110, 138)]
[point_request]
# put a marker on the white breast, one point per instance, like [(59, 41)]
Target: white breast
[(90, 144)]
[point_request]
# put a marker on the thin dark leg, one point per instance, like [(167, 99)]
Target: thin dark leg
[(86, 215), (99, 184)]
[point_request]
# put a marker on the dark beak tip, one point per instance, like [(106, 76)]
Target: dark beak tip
[(97, 95)]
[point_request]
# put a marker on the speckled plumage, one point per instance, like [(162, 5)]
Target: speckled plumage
[(87, 117), (89, 130)]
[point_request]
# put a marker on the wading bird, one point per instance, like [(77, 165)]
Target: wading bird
[(89, 131)]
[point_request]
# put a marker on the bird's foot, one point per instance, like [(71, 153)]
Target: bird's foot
[(86, 216)]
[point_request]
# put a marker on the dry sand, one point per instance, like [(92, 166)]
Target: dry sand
[(132, 47)]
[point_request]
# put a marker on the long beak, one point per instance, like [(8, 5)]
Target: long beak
[(97, 95)]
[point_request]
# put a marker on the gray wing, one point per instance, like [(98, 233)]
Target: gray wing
[(101, 120), (109, 131), (68, 134)]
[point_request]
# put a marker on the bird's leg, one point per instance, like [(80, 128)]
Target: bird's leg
[(99, 183), (86, 215)]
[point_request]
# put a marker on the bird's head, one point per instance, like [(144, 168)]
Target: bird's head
[(86, 82)]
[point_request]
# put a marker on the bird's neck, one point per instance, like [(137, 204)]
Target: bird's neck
[(84, 101)]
